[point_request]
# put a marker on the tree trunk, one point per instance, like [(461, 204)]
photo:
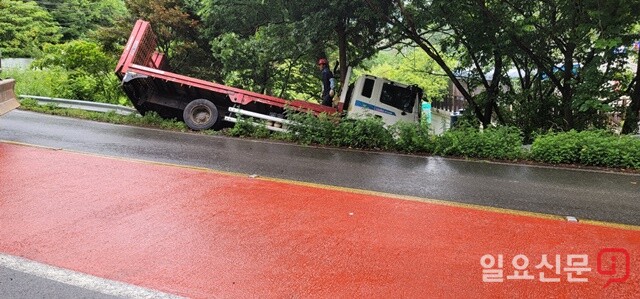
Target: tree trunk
[(567, 88), (341, 30), (443, 64), (632, 115), (493, 89), (285, 84)]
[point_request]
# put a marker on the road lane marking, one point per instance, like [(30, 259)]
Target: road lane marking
[(81, 280), (440, 202)]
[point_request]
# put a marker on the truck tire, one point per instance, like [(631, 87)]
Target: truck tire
[(200, 114)]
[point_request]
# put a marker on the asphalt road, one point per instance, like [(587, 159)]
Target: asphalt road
[(15, 284), (602, 196)]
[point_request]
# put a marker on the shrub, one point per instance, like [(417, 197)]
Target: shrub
[(309, 129), (245, 127), (612, 151), (365, 133), (494, 143), (596, 148), (150, 118), (88, 68), (46, 83), (412, 138), (501, 143), (563, 147), (56, 82)]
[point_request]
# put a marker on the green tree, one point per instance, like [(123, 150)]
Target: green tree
[(265, 64), (178, 31), (265, 46), (565, 46), (282, 39), (411, 66), (358, 31), (632, 112), (25, 28), (572, 43), (80, 18), (460, 29)]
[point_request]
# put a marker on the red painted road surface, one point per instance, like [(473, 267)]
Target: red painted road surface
[(201, 233)]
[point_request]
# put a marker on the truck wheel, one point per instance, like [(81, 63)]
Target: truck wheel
[(200, 114)]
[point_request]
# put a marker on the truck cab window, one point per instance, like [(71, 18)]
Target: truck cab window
[(367, 89), (398, 97)]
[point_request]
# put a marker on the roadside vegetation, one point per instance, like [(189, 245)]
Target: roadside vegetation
[(594, 148), (150, 119)]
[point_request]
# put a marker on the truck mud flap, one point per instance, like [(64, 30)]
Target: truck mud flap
[(8, 99)]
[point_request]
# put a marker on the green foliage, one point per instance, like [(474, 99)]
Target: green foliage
[(89, 71), (562, 147), (247, 62), (79, 18), (597, 148), (564, 52), (494, 143), (366, 133), (593, 30), (25, 28), (412, 138), (150, 119), (612, 151), (39, 82), (271, 58), (248, 127), (412, 67), (180, 34), (272, 46), (309, 129), (370, 133), (76, 56), (28, 104)]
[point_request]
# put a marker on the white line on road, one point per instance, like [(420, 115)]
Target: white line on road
[(81, 280)]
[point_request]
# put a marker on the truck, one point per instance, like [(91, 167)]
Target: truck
[(150, 85)]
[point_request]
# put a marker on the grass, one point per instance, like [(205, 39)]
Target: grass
[(151, 119)]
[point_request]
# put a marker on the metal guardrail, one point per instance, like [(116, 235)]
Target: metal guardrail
[(83, 105)]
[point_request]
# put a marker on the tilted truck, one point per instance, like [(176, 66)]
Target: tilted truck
[(203, 105)]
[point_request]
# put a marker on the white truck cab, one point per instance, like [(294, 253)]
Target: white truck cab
[(391, 101)]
